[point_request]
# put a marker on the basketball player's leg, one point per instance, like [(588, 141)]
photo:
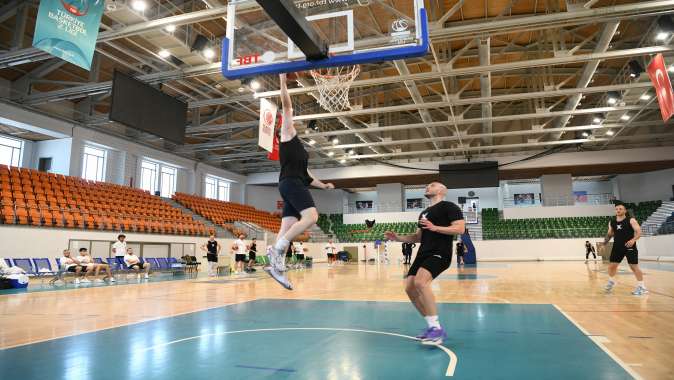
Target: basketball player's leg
[(633, 261), (297, 203), (413, 295), (418, 287), (617, 255)]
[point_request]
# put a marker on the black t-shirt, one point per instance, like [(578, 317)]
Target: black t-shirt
[(622, 231), (253, 248), (212, 247), (459, 248), (294, 161), (441, 214)]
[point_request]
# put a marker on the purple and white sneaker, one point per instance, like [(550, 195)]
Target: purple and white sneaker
[(434, 336), (423, 333)]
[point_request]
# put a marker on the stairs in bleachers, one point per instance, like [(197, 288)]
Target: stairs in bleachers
[(210, 226), (657, 218)]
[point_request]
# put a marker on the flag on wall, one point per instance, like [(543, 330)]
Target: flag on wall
[(68, 29), (657, 71), (267, 124)]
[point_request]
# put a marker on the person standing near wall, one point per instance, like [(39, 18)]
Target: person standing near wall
[(589, 249), (252, 254), (212, 248), (119, 249)]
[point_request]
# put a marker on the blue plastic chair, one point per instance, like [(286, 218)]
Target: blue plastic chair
[(98, 260), (163, 264), (153, 262), (25, 264), (9, 263)]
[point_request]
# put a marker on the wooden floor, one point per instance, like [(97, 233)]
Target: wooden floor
[(638, 330)]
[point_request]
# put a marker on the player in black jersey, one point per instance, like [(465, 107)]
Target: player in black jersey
[(212, 249), (625, 231), (299, 210), (438, 224)]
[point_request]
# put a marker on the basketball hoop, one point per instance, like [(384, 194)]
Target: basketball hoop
[(333, 85)]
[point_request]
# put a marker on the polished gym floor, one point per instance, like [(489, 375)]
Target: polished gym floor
[(505, 321)]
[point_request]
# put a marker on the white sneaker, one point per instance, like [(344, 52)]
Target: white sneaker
[(77, 281), (276, 259), (86, 281), (609, 286), (112, 279), (147, 276), (640, 290), (279, 277)]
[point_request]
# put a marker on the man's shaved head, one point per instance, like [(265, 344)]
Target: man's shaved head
[(435, 189)]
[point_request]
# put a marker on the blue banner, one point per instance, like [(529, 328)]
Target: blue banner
[(68, 29)]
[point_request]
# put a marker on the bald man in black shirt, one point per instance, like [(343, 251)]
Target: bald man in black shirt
[(438, 224)]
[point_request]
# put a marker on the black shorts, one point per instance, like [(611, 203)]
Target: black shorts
[(72, 268), (331, 255), (212, 257), (300, 257), (239, 257), (296, 197), (251, 256), (435, 264), (136, 266), (618, 253)]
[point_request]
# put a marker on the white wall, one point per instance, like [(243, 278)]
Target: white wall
[(650, 186), (58, 150), (557, 211), (657, 247)]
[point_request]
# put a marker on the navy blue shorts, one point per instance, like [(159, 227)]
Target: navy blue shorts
[(296, 197)]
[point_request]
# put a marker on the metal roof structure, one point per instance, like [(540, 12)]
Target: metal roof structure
[(501, 77)]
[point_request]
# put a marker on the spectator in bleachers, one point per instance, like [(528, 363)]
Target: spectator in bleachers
[(89, 265), (252, 253), (71, 264), (212, 248), (119, 248), (240, 255), (136, 264)]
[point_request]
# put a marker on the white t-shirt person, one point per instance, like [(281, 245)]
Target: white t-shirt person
[(119, 248), (240, 247), (85, 260), (131, 259), (330, 249)]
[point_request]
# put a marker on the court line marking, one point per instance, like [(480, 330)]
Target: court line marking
[(126, 324), (598, 342), (451, 367)]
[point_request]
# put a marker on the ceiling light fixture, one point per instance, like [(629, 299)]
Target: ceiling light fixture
[(208, 53), (610, 133), (139, 5), (170, 28), (335, 141), (625, 117), (164, 53)]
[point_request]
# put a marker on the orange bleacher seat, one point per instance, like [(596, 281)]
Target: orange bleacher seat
[(22, 215)]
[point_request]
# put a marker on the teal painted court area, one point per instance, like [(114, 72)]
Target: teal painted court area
[(300, 339)]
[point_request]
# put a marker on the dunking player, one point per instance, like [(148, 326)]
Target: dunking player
[(299, 210), (625, 231), (437, 226)]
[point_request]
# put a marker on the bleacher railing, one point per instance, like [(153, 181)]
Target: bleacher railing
[(584, 200), (360, 208)]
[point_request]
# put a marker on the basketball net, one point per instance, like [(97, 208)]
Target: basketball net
[(333, 85)]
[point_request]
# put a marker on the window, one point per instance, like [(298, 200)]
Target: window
[(10, 151), (168, 181), (211, 188), (93, 164), (158, 177), (148, 176), (217, 188)]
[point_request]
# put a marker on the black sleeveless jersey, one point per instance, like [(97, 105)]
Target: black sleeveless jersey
[(622, 230), (212, 247)]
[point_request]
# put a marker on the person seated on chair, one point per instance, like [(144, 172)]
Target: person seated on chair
[(136, 264), (71, 264), (88, 263)]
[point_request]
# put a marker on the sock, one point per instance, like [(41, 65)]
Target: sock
[(432, 321), (611, 279), (641, 283), (281, 245)]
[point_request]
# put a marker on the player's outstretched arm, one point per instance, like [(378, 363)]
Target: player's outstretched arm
[(287, 129), (609, 234)]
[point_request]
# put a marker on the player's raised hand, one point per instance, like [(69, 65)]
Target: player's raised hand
[(390, 235)]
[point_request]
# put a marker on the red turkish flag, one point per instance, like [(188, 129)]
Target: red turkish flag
[(273, 155), (657, 71)]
